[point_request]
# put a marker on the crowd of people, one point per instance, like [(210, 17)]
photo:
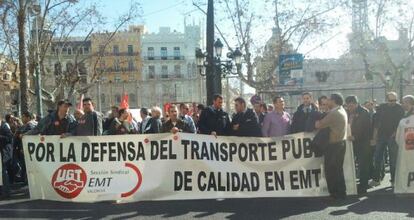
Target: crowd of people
[(370, 127)]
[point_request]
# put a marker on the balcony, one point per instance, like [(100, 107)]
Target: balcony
[(120, 54), (113, 70), (163, 57)]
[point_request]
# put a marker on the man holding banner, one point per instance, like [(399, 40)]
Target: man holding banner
[(336, 120), (59, 122)]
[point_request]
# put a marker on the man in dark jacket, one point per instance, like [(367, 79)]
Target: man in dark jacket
[(6, 154), (213, 120), (360, 121), (305, 116), (245, 122), (59, 122), (175, 124), (90, 123)]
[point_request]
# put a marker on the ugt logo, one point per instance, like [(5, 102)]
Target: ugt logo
[(69, 180)]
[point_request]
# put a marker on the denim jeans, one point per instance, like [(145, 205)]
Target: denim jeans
[(382, 144)]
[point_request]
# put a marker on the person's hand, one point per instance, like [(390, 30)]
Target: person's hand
[(236, 127), (214, 134), (174, 130)]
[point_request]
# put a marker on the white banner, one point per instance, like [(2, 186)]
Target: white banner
[(404, 175), (1, 169), (172, 167)]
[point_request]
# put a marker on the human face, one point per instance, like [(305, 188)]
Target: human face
[(323, 105), (406, 105), (155, 114), (173, 112), (240, 107), (184, 109), (25, 119), (88, 106), (279, 104), (391, 99), (114, 112), (218, 103), (257, 108), (369, 106), (64, 109), (306, 100), (351, 107)]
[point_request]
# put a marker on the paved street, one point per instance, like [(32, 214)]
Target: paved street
[(378, 204)]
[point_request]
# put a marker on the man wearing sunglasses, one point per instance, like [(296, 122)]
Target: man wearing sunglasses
[(386, 123)]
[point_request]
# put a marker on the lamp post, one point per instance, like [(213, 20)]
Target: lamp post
[(35, 9), (221, 67), (214, 67)]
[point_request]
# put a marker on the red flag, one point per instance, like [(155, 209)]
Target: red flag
[(80, 103), (124, 102)]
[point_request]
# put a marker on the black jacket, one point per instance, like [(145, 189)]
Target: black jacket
[(155, 126), (304, 121), (248, 124), (361, 125), (214, 120), (181, 125), (6, 142)]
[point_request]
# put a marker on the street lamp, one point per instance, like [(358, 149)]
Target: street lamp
[(36, 10), (221, 67)]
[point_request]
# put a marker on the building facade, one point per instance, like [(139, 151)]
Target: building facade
[(9, 86), (169, 69), (116, 67)]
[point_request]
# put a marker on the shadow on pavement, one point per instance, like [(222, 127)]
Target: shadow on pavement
[(258, 208), (382, 200)]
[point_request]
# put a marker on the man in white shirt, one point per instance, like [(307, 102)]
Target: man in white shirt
[(405, 140)]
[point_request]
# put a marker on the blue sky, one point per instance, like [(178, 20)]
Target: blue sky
[(156, 13)]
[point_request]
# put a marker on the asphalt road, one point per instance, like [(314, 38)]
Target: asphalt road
[(379, 203)]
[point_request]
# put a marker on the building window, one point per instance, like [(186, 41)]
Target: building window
[(116, 49), (130, 49), (177, 53), (132, 99), (164, 53), (86, 50), (118, 98), (150, 53), (177, 71), (80, 51), (130, 65), (64, 50), (164, 72), (151, 72), (116, 65), (117, 79)]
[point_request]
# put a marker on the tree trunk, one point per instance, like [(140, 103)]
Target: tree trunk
[(21, 25)]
